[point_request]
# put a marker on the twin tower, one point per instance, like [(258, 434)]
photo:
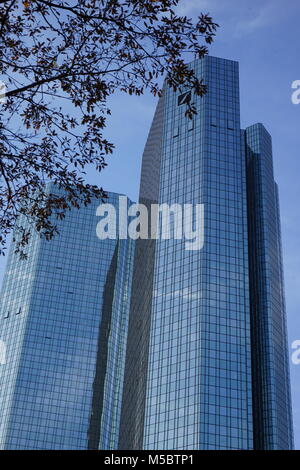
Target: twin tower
[(117, 343)]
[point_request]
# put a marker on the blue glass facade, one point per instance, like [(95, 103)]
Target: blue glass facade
[(271, 382), (137, 351), (196, 384), (64, 318)]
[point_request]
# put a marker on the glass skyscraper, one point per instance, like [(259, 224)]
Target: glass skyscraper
[(207, 363), (271, 383), (63, 318)]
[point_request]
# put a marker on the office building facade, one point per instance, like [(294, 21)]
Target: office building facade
[(64, 316), (207, 355), (271, 381)]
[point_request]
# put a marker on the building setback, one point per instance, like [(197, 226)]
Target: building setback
[(63, 317), (207, 355)]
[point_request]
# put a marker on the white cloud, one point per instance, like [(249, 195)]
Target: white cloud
[(238, 18), (190, 7), (262, 18)]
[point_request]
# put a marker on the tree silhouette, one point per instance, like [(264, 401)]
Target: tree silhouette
[(80, 52)]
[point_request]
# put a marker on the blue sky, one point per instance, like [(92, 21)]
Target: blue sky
[(264, 37)]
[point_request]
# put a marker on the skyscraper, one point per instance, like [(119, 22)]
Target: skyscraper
[(271, 383), (206, 364), (63, 318)]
